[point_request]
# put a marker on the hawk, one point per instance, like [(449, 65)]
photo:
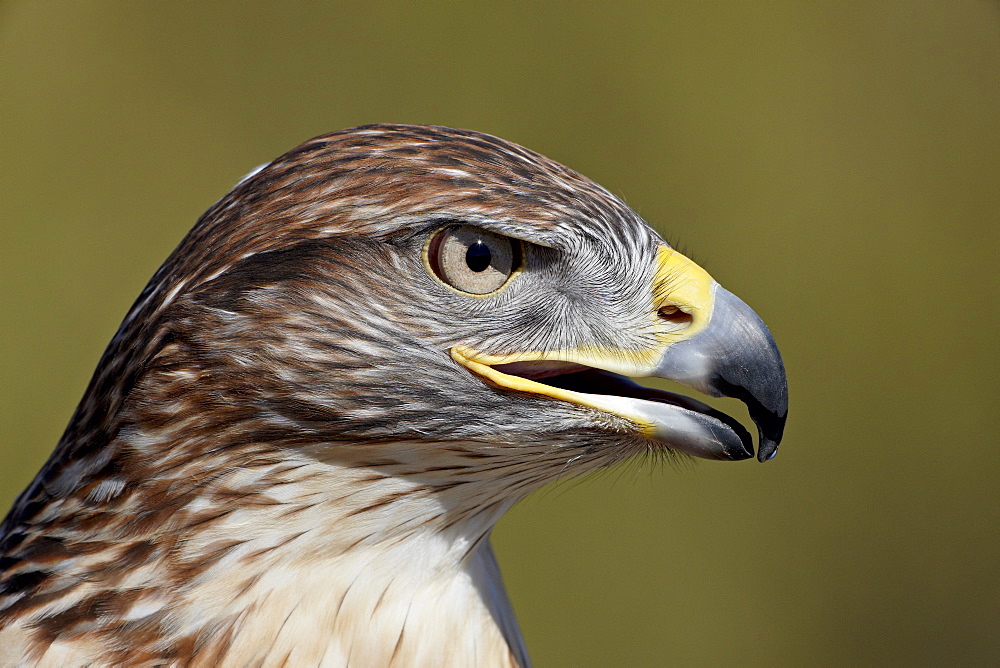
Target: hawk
[(294, 449)]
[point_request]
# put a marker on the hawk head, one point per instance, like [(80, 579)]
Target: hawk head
[(320, 405)]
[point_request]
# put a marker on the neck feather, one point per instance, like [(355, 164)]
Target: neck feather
[(341, 554)]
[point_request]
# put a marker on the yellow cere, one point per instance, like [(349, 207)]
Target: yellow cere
[(687, 286)]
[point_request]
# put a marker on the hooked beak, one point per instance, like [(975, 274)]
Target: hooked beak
[(734, 356), (709, 340)]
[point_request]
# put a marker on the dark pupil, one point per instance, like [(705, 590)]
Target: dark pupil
[(478, 256)]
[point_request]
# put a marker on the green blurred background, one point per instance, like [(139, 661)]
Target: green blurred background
[(837, 165)]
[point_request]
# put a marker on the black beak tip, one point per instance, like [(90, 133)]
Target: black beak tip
[(769, 429), (767, 450)]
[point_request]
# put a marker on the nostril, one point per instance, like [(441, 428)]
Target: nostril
[(674, 315)]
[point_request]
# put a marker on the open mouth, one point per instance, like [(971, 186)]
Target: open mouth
[(677, 421)]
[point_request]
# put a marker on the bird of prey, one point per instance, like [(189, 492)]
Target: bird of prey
[(295, 447)]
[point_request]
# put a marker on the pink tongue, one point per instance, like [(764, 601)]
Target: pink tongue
[(540, 369)]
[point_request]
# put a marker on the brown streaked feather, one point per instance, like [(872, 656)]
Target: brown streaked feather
[(277, 432)]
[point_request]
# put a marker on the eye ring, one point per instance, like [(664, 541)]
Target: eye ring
[(471, 260)]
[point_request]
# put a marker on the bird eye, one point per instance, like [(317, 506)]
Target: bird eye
[(472, 260)]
